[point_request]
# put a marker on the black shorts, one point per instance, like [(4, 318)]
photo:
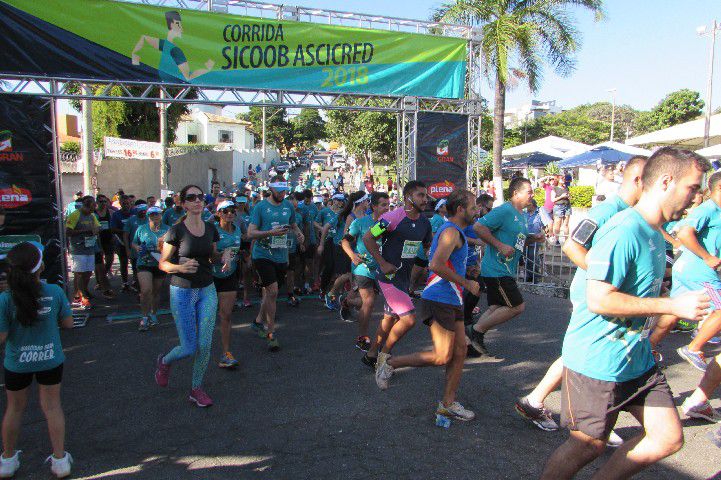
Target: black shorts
[(157, 272), (592, 406), (420, 262), (444, 314), (310, 250), (227, 284), (270, 272), (294, 261), (341, 262), (361, 281), (502, 291), (19, 381)]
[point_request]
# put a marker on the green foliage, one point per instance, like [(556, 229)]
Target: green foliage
[(539, 195), (365, 134), (70, 147), (677, 107), (552, 169), (581, 196), (278, 130), (308, 127), (192, 147)]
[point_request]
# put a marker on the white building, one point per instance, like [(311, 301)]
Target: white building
[(531, 111), (205, 124)]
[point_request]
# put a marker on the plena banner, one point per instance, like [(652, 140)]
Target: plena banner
[(100, 39), (442, 153)]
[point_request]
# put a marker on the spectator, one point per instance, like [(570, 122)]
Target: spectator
[(561, 210), (532, 255), (548, 182)]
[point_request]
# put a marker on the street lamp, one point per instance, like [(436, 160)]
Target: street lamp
[(612, 91), (703, 31)]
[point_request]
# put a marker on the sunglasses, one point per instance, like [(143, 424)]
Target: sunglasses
[(192, 197), (229, 211)]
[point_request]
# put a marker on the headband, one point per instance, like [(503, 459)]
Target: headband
[(338, 196), (279, 185), (39, 248), (361, 200)]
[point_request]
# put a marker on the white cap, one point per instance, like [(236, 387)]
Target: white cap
[(440, 203), (224, 205)]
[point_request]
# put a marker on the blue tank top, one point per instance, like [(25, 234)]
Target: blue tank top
[(438, 289)]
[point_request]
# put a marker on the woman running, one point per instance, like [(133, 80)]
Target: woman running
[(242, 220), (29, 316), (188, 253), (147, 243), (355, 209), (226, 281)]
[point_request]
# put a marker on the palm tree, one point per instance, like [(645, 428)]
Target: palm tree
[(522, 32)]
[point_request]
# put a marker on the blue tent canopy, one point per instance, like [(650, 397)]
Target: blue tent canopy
[(533, 161), (604, 155)]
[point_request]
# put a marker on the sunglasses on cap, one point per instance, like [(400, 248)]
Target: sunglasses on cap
[(192, 197)]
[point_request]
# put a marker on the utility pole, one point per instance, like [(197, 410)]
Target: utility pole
[(87, 141), (702, 31), (163, 114), (263, 141), (613, 109)]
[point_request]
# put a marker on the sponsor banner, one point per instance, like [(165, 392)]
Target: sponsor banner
[(132, 149), (28, 203), (100, 39), (442, 152)]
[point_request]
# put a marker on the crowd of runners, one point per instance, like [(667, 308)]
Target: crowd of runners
[(648, 259)]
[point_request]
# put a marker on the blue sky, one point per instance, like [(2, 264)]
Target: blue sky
[(645, 49)]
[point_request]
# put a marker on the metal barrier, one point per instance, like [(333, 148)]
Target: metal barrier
[(543, 268)]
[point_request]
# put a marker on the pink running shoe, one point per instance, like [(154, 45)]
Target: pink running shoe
[(162, 372), (200, 398)]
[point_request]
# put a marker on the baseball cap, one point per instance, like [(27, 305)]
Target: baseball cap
[(225, 204), (153, 210)]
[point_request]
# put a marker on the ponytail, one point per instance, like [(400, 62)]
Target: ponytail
[(24, 259)]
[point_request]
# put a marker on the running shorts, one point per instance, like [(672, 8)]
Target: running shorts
[(361, 281), (15, 381), (270, 272), (157, 272), (502, 291), (592, 406), (226, 284), (397, 303), (444, 314), (341, 262), (83, 263)]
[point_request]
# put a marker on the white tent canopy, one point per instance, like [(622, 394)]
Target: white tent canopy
[(550, 145), (624, 148), (713, 151), (689, 134)]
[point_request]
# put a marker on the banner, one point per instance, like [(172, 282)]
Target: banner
[(100, 39), (28, 203), (132, 149), (442, 152)]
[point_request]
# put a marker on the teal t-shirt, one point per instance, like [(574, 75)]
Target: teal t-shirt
[(170, 216), (436, 221), (669, 228), (508, 225), (265, 216), (145, 236), (292, 238), (629, 254), (310, 213), (706, 220), (328, 217), (227, 240), (131, 226), (37, 347), (357, 229)]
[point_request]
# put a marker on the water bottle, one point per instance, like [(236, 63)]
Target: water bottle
[(442, 421)]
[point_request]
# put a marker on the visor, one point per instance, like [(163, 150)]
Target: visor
[(153, 210), (279, 186), (224, 205)]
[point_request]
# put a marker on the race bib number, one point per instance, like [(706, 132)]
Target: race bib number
[(279, 241), (410, 249), (90, 241), (520, 242), (104, 225), (234, 251), (648, 326)]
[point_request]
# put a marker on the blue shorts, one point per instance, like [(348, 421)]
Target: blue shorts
[(713, 288), (561, 211)]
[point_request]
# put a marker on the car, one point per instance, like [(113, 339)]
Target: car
[(282, 167), (339, 162)]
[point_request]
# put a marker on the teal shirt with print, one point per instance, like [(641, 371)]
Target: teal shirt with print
[(629, 254), (310, 214), (357, 229), (265, 216), (508, 225), (227, 240), (131, 226), (171, 217), (37, 347), (706, 220), (328, 217), (145, 236)]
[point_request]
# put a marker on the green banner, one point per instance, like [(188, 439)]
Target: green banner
[(125, 41)]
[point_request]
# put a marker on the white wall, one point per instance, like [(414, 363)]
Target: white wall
[(239, 137)]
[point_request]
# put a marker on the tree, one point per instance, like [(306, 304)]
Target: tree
[(365, 134), (278, 130), (528, 32), (572, 124), (308, 127)]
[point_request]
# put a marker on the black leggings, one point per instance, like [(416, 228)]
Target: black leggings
[(470, 301), (123, 261), (327, 265)]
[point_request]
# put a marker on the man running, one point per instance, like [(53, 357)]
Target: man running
[(401, 232), (608, 364), (504, 230), (270, 223), (442, 304), (576, 247)]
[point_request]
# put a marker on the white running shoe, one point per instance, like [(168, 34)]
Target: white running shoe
[(60, 466), (383, 375), (8, 466), (381, 359), (614, 440), (455, 411)]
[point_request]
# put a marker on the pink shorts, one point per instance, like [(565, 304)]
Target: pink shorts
[(397, 302)]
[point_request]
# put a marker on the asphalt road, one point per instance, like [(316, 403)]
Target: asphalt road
[(313, 410)]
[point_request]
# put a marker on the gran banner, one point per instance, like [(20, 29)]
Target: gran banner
[(442, 152), (100, 39), (28, 201)]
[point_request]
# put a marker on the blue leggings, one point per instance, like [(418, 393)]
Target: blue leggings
[(194, 312)]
